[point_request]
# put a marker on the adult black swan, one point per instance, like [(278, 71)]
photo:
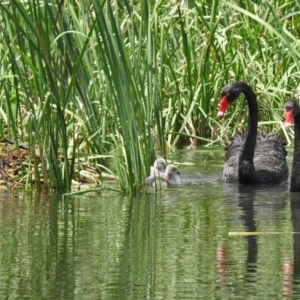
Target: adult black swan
[(292, 113), (252, 159)]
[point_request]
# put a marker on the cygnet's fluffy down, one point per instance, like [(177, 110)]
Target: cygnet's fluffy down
[(170, 178), (158, 168)]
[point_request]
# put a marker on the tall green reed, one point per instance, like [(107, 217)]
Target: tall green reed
[(263, 45), (49, 76), (92, 80)]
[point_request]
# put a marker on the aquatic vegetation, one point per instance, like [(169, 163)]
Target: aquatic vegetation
[(106, 86)]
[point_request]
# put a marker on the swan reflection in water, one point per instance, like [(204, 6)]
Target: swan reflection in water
[(259, 207), (291, 265)]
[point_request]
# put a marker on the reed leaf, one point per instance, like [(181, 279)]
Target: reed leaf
[(118, 83)]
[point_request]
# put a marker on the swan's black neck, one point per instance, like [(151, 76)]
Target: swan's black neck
[(295, 178), (250, 142)]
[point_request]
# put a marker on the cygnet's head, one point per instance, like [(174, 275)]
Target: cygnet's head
[(160, 164), (172, 177), (171, 170)]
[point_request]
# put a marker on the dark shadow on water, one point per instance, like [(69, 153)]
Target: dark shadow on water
[(256, 204), (248, 220), (292, 280)]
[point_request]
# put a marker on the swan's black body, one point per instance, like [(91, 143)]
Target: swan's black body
[(252, 159), (293, 113)]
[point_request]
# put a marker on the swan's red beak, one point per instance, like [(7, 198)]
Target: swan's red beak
[(223, 105), (289, 118)]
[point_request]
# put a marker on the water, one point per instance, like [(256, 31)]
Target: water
[(207, 240)]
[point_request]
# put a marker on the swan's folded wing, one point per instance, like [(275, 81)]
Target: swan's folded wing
[(270, 159)]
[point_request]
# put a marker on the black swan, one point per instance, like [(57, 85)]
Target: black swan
[(171, 178), (291, 110), (252, 159)]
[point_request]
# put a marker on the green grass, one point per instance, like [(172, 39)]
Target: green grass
[(113, 84)]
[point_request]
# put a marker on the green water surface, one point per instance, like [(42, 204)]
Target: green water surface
[(187, 243)]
